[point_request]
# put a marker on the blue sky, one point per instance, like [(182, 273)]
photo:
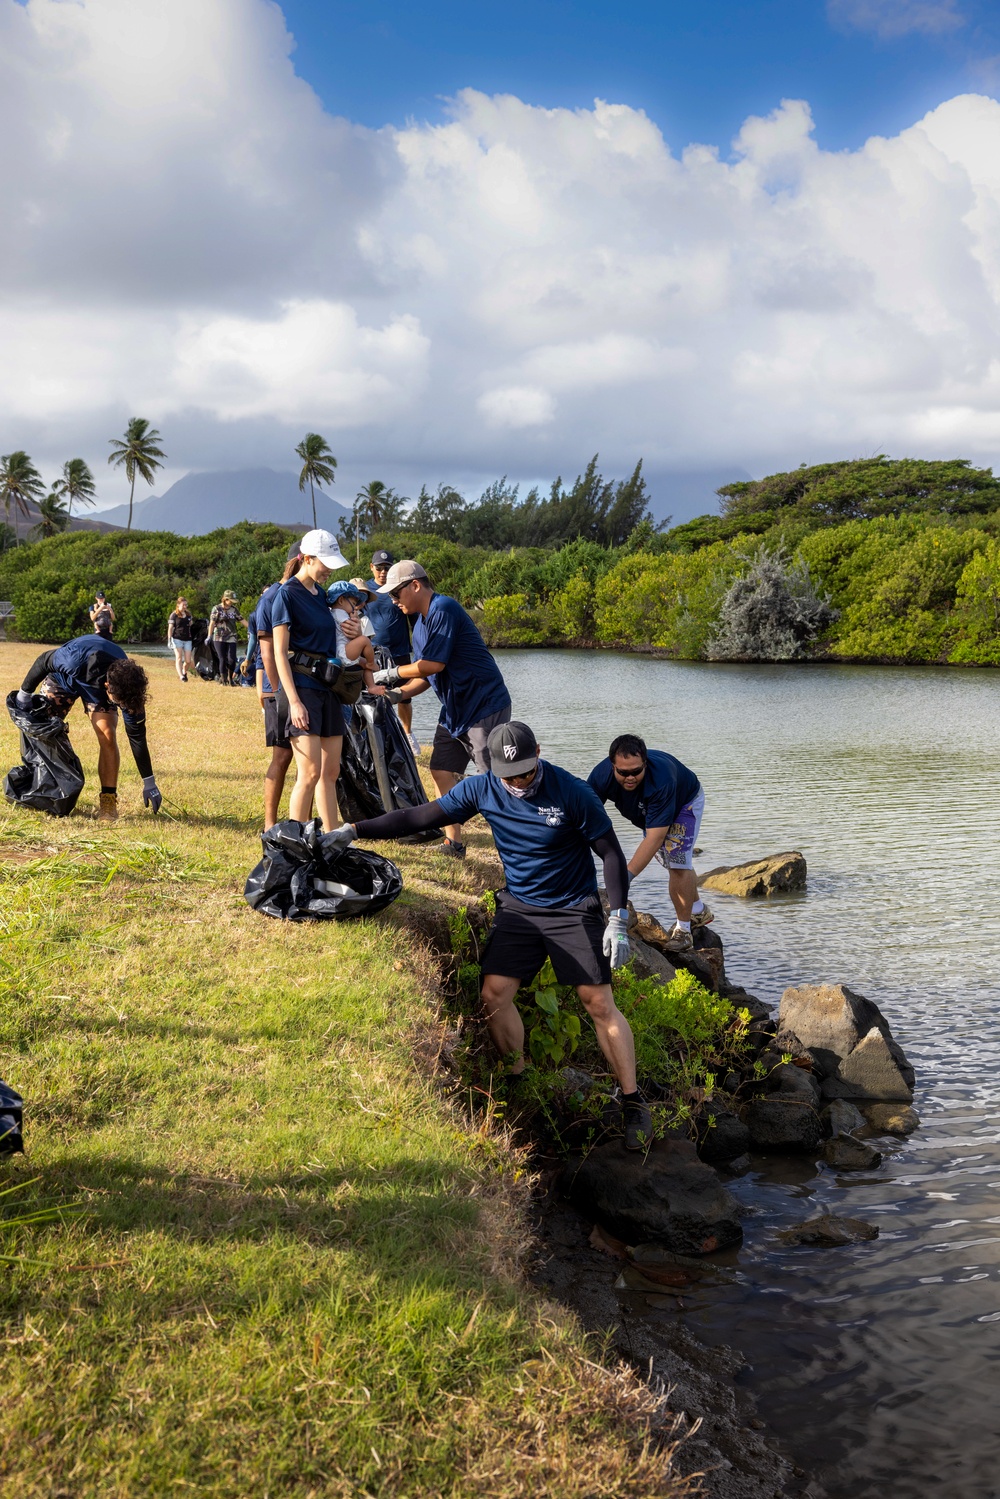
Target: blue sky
[(865, 66)]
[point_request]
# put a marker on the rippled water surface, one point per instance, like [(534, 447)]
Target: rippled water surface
[(877, 1364)]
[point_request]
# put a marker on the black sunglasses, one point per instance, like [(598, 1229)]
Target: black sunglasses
[(395, 592), (629, 775)]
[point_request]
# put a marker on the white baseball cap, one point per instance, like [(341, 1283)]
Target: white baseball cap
[(323, 545)]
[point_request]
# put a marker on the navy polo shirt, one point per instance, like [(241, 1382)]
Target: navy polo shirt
[(260, 621), (311, 626), (666, 787), (392, 632), (83, 666), (543, 840), (471, 686)]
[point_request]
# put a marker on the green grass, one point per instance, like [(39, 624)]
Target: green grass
[(275, 1262)]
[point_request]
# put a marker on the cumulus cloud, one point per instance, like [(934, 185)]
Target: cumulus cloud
[(894, 18), (190, 236)]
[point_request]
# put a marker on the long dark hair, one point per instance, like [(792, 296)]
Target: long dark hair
[(130, 684)]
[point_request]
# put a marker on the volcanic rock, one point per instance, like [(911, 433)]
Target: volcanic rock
[(848, 1154), (771, 876)]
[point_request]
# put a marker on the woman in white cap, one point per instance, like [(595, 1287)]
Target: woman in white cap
[(304, 634)]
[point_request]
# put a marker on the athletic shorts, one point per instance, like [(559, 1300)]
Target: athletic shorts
[(273, 736), (522, 937), (677, 848), (326, 718), (454, 751)]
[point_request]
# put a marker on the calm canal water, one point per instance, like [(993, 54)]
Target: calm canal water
[(876, 1365)]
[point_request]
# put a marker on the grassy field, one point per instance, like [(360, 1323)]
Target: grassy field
[(285, 1265)]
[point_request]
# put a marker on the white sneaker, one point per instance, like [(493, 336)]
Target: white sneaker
[(415, 744), (679, 940)]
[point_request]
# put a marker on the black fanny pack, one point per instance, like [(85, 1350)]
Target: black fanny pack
[(345, 682)]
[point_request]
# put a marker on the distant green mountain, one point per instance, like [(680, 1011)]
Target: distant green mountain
[(203, 502)]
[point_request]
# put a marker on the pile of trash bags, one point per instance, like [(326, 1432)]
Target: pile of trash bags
[(302, 878), (51, 777), (378, 772), (11, 1116)]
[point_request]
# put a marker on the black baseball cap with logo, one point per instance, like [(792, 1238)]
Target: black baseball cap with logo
[(513, 749), (382, 559)]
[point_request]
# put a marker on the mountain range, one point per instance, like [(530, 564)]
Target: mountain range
[(203, 502)]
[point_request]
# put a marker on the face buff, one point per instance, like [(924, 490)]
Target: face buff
[(522, 791)]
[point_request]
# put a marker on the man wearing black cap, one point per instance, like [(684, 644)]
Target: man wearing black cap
[(260, 661), (451, 657), (392, 633), (547, 825)]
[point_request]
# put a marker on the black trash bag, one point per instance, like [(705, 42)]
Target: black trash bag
[(51, 778), (11, 1106), (378, 772), (303, 878)]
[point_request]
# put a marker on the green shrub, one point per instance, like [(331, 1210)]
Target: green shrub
[(977, 609), (510, 621)]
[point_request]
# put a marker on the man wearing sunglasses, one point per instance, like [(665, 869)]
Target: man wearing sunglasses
[(547, 826), (658, 794), (450, 656)]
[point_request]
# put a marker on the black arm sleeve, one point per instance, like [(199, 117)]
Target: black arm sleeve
[(398, 824), (37, 671), (135, 728), (615, 869)]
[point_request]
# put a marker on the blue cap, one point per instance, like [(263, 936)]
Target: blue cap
[(337, 591)]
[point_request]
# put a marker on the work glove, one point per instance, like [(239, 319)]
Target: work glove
[(340, 838), (394, 695), (616, 944), (388, 677), (152, 797)]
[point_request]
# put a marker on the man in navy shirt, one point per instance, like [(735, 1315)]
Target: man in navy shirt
[(265, 675), (451, 657), (655, 792), (547, 826), (392, 633), (98, 672)]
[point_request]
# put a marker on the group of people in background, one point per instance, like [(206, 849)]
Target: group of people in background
[(547, 824)]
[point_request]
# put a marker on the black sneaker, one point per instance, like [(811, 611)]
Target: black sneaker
[(451, 849), (637, 1122)]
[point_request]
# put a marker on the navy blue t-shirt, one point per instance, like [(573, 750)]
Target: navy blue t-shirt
[(471, 686), (392, 631), (260, 623), (83, 666), (311, 625), (666, 787), (543, 840)]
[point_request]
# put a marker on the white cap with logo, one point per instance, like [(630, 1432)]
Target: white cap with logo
[(323, 544)]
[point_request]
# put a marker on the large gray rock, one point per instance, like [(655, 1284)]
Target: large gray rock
[(705, 960), (781, 1122), (847, 1154), (794, 1082), (667, 1195), (721, 1135), (771, 876), (829, 1231), (850, 1041), (840, 1117), (648, 962)]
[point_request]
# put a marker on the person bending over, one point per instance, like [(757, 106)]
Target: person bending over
[(101, 675), (547, 826), (451, 657), (662, 797)]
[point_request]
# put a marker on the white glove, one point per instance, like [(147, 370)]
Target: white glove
[(340, 838), (388, 677), (616, 944)]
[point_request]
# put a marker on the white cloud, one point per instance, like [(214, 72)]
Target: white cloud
[(189, 236), (895, 18)]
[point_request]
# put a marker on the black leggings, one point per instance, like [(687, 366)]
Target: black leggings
[(225, 654)]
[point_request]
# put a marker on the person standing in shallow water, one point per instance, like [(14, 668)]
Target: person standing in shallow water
[(658, 794)]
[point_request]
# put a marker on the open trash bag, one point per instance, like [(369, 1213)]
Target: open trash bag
[(378, 772), (11, 1105), (51, 778), (301, 878)]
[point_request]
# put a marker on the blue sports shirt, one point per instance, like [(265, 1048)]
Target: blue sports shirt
[(392, 631), (310, 621), (83, 663), (260, 623), (666, 787), (543, 840), (471, 686)]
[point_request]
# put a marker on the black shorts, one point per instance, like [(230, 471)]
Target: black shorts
[(326, 716), (454, 751), (273, 736), (522, 937)]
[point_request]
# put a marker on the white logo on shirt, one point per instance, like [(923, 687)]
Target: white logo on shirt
[(553, 816)]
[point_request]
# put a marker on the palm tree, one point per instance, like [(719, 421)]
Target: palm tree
[(53, 516), (138, 454), (20, 485), (369, 506), (318, 464), (77, 483)]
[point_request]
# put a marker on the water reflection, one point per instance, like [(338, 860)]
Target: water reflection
[(874, 1362)]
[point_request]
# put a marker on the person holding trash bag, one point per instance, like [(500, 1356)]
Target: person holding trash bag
[(392, 634), (451, 657), (662, 797), (547, 825), (305, 651), (101, 675)]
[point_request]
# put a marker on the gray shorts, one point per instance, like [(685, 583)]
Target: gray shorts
[(454, 751)]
